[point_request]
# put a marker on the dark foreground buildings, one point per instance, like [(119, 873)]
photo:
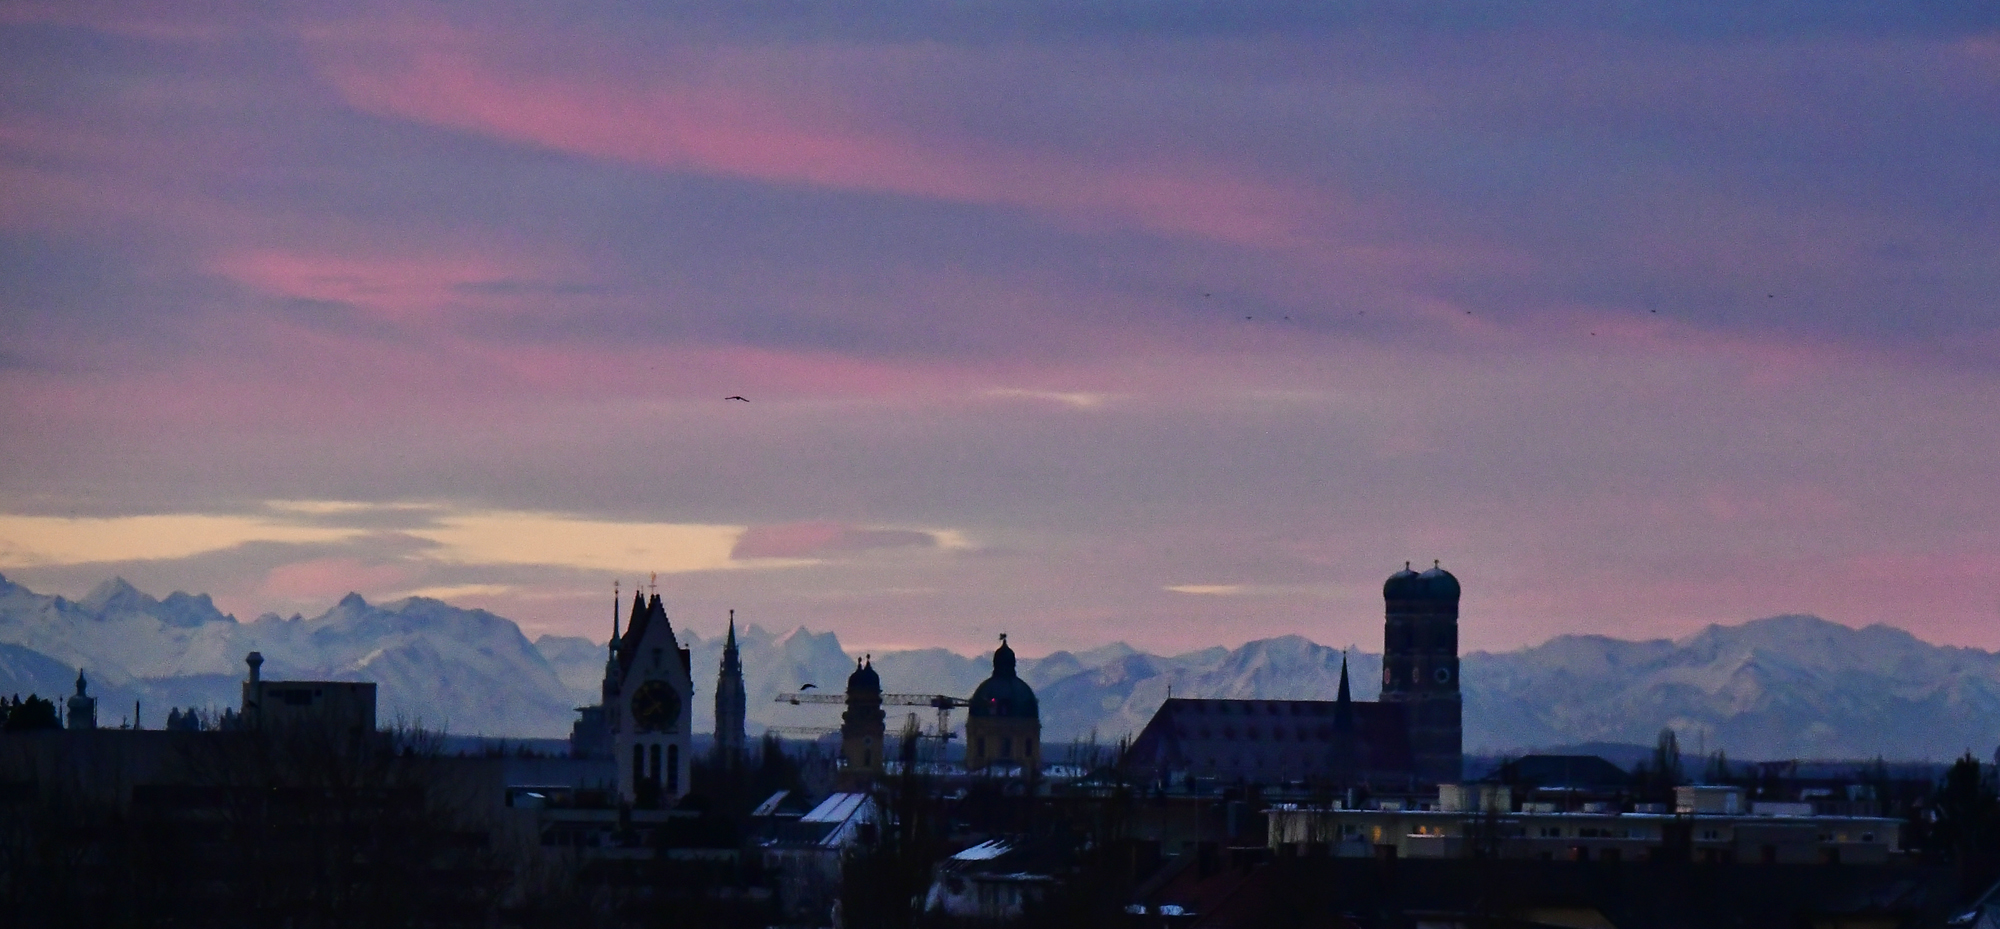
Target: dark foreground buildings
[(1334, 813)]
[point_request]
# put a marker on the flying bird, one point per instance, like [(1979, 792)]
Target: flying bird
[(744, 399), (808, 686)]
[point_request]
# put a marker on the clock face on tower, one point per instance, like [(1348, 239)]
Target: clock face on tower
[(655, 706)]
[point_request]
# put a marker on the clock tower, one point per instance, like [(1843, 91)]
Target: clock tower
[(649, 704)]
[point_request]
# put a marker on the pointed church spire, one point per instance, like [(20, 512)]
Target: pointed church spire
[(614, 617), (1343, 703), (732, 662), (656, 611), (730, 700)]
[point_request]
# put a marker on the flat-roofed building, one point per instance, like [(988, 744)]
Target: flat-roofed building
[(344, 710), (1469, 821)]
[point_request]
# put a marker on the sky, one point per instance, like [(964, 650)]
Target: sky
[(1175, 323)]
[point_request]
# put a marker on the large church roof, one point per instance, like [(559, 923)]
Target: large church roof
[(645, 615), (1274, 740)]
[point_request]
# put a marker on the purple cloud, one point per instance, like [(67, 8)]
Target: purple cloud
[(1640, 315)]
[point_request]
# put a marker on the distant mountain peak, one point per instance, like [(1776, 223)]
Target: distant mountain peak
[(353, 601), (116, 595)]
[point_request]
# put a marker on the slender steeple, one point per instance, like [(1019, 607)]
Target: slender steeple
[(731, 699), (1343, 702)]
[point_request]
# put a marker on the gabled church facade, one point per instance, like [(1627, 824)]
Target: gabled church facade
[(649, 708)]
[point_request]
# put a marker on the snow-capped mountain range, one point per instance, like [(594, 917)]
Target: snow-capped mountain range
[(1783, 687)]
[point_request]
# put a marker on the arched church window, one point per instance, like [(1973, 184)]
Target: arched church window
[(673, 768)]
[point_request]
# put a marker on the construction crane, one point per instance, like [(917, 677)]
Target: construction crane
[(942, 703), (810, 733)]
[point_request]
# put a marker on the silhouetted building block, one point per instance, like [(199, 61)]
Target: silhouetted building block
[(1413, 737)]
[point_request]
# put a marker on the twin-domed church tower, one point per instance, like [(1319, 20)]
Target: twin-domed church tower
[(1420, 668)]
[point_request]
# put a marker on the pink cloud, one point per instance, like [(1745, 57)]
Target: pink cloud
[(393, 285), (680, 123)]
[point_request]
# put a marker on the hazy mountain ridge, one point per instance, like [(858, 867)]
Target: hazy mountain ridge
[(467, 670), (1787, 686)]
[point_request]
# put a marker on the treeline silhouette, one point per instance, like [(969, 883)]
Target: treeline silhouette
[(254, 829), (18, 715), (246, 829)]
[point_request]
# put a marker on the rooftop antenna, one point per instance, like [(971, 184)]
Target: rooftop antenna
[(654, 587)]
